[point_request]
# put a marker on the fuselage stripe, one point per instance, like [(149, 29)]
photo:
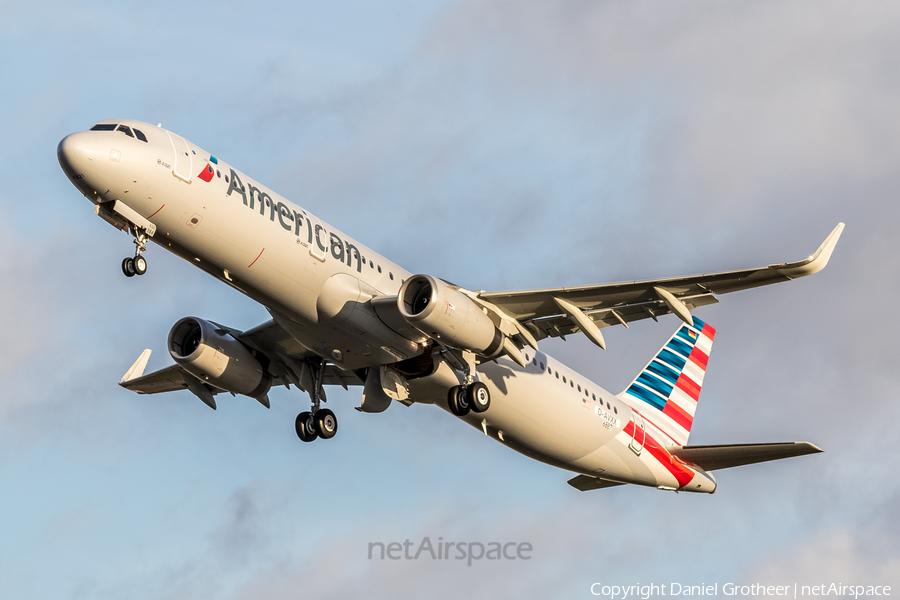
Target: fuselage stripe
[(681, 473)]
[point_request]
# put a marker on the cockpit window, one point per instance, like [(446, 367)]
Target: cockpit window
[(140, 135), (126, 130), (104, 127)]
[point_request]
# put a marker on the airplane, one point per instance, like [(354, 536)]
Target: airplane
[(344, 315)]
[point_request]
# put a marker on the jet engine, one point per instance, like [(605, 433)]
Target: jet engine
[(442, 312), (213, 355)]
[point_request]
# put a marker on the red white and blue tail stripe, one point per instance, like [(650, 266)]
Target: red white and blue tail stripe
[(667, 390)]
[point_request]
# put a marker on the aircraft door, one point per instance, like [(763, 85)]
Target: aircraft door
[(639, 435), (183, 160)]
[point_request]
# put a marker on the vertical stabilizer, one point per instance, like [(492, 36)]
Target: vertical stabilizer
[(667, 390)]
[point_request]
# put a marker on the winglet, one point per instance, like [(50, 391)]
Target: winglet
[(137, 369), (814, 263)]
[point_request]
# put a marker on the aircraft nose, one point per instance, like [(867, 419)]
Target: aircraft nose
[(75, 155)]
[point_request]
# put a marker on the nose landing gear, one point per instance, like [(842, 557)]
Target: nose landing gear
[(138, 264)]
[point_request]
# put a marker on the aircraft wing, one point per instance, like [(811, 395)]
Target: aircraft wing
[(286, 365), (549, 312)]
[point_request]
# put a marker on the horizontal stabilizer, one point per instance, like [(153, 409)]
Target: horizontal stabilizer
[(586, 483), (711, 458), (169, 379)]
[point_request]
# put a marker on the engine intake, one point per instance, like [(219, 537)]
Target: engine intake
[(217, 359), (442, 312)]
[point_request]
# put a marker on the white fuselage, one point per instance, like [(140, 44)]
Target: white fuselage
[(305, 271)]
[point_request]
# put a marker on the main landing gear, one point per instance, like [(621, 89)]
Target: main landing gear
[(321, 424), (316, 422), (138, 264), (475, 397), (471, 395)]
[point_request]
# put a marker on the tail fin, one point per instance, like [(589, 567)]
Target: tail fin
[(666, 391)]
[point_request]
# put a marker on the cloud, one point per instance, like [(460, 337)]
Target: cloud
[(841, 556)]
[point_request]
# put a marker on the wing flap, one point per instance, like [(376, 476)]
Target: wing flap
[(711, 458)]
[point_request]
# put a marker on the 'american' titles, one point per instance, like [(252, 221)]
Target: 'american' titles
[(291, 220)]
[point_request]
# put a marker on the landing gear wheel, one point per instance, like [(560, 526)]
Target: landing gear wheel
[(478, 396), (326, 423), (140, 265), (128, 267), (305, 428), (457, 400)]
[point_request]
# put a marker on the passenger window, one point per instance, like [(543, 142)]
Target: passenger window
[(564, 379), (557, 374), (363, 259), (607, 405), (615, 410), (379, 268), (140, 135), (542, 366), (594, 396), (571, 384), (126, 130), (579, 388), (104, 127), (391, 275), (219, 175)]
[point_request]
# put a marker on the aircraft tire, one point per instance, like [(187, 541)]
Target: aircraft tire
[(140, 265), (304, 426), (128, 267), (326, 423), (457, 401), (479, 397)]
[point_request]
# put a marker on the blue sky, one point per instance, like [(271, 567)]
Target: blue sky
[(500, 145)]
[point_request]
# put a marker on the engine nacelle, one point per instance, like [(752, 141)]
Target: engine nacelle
[(216, 358), (441, 312)]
